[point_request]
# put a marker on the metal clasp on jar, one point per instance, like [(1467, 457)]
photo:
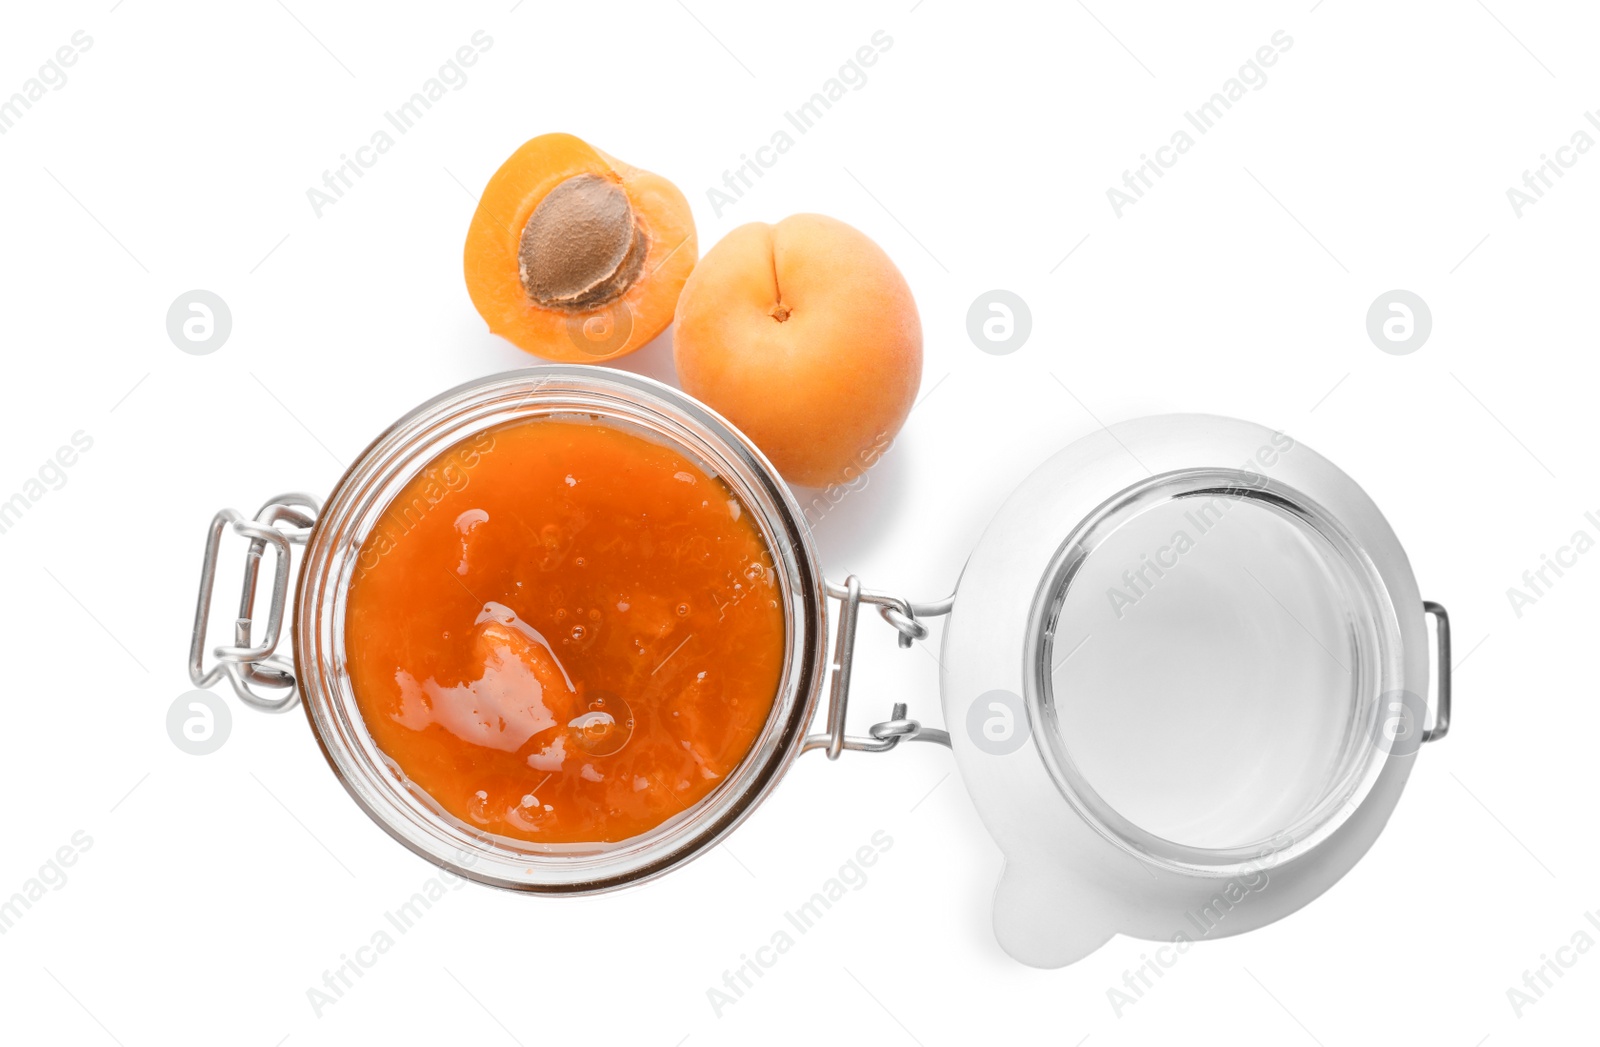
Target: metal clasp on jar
[(251, 665), (904, 616)]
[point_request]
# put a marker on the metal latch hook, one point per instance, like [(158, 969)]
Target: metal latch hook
[(881, 737)]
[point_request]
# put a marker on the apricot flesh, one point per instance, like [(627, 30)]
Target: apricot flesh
[(575, 256), (806, 337)]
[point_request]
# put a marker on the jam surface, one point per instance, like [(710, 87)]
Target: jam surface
[(565, 632)]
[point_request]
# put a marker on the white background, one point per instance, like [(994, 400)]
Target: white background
[(1377, 156)]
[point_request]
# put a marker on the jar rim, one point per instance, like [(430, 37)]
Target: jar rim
[(1362, 596), (365, 491)]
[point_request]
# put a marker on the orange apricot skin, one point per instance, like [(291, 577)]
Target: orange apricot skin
[(806, 337), (588, 336)]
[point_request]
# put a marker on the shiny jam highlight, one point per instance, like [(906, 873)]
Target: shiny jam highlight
[(565, 632)]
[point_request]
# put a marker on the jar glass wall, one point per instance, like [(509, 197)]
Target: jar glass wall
[(363, 495)]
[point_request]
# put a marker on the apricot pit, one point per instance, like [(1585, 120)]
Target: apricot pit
[(581, 247)]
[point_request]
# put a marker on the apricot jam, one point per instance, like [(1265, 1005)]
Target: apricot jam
[(565, 632)]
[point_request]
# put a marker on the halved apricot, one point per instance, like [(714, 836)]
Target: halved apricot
[(573, 255)]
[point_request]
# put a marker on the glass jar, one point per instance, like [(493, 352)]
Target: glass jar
[(1221, 685), (1142, 720), (365, 492)]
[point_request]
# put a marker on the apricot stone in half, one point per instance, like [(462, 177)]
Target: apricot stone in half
[(576, 256), (805, 336)]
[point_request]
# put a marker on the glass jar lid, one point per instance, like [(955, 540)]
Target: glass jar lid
[(1175, 651), (1210, 658)]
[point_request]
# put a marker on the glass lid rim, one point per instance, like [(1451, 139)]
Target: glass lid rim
[(1332, 811)]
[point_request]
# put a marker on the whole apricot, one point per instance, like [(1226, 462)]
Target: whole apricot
[(574, 255), (805, 336)]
